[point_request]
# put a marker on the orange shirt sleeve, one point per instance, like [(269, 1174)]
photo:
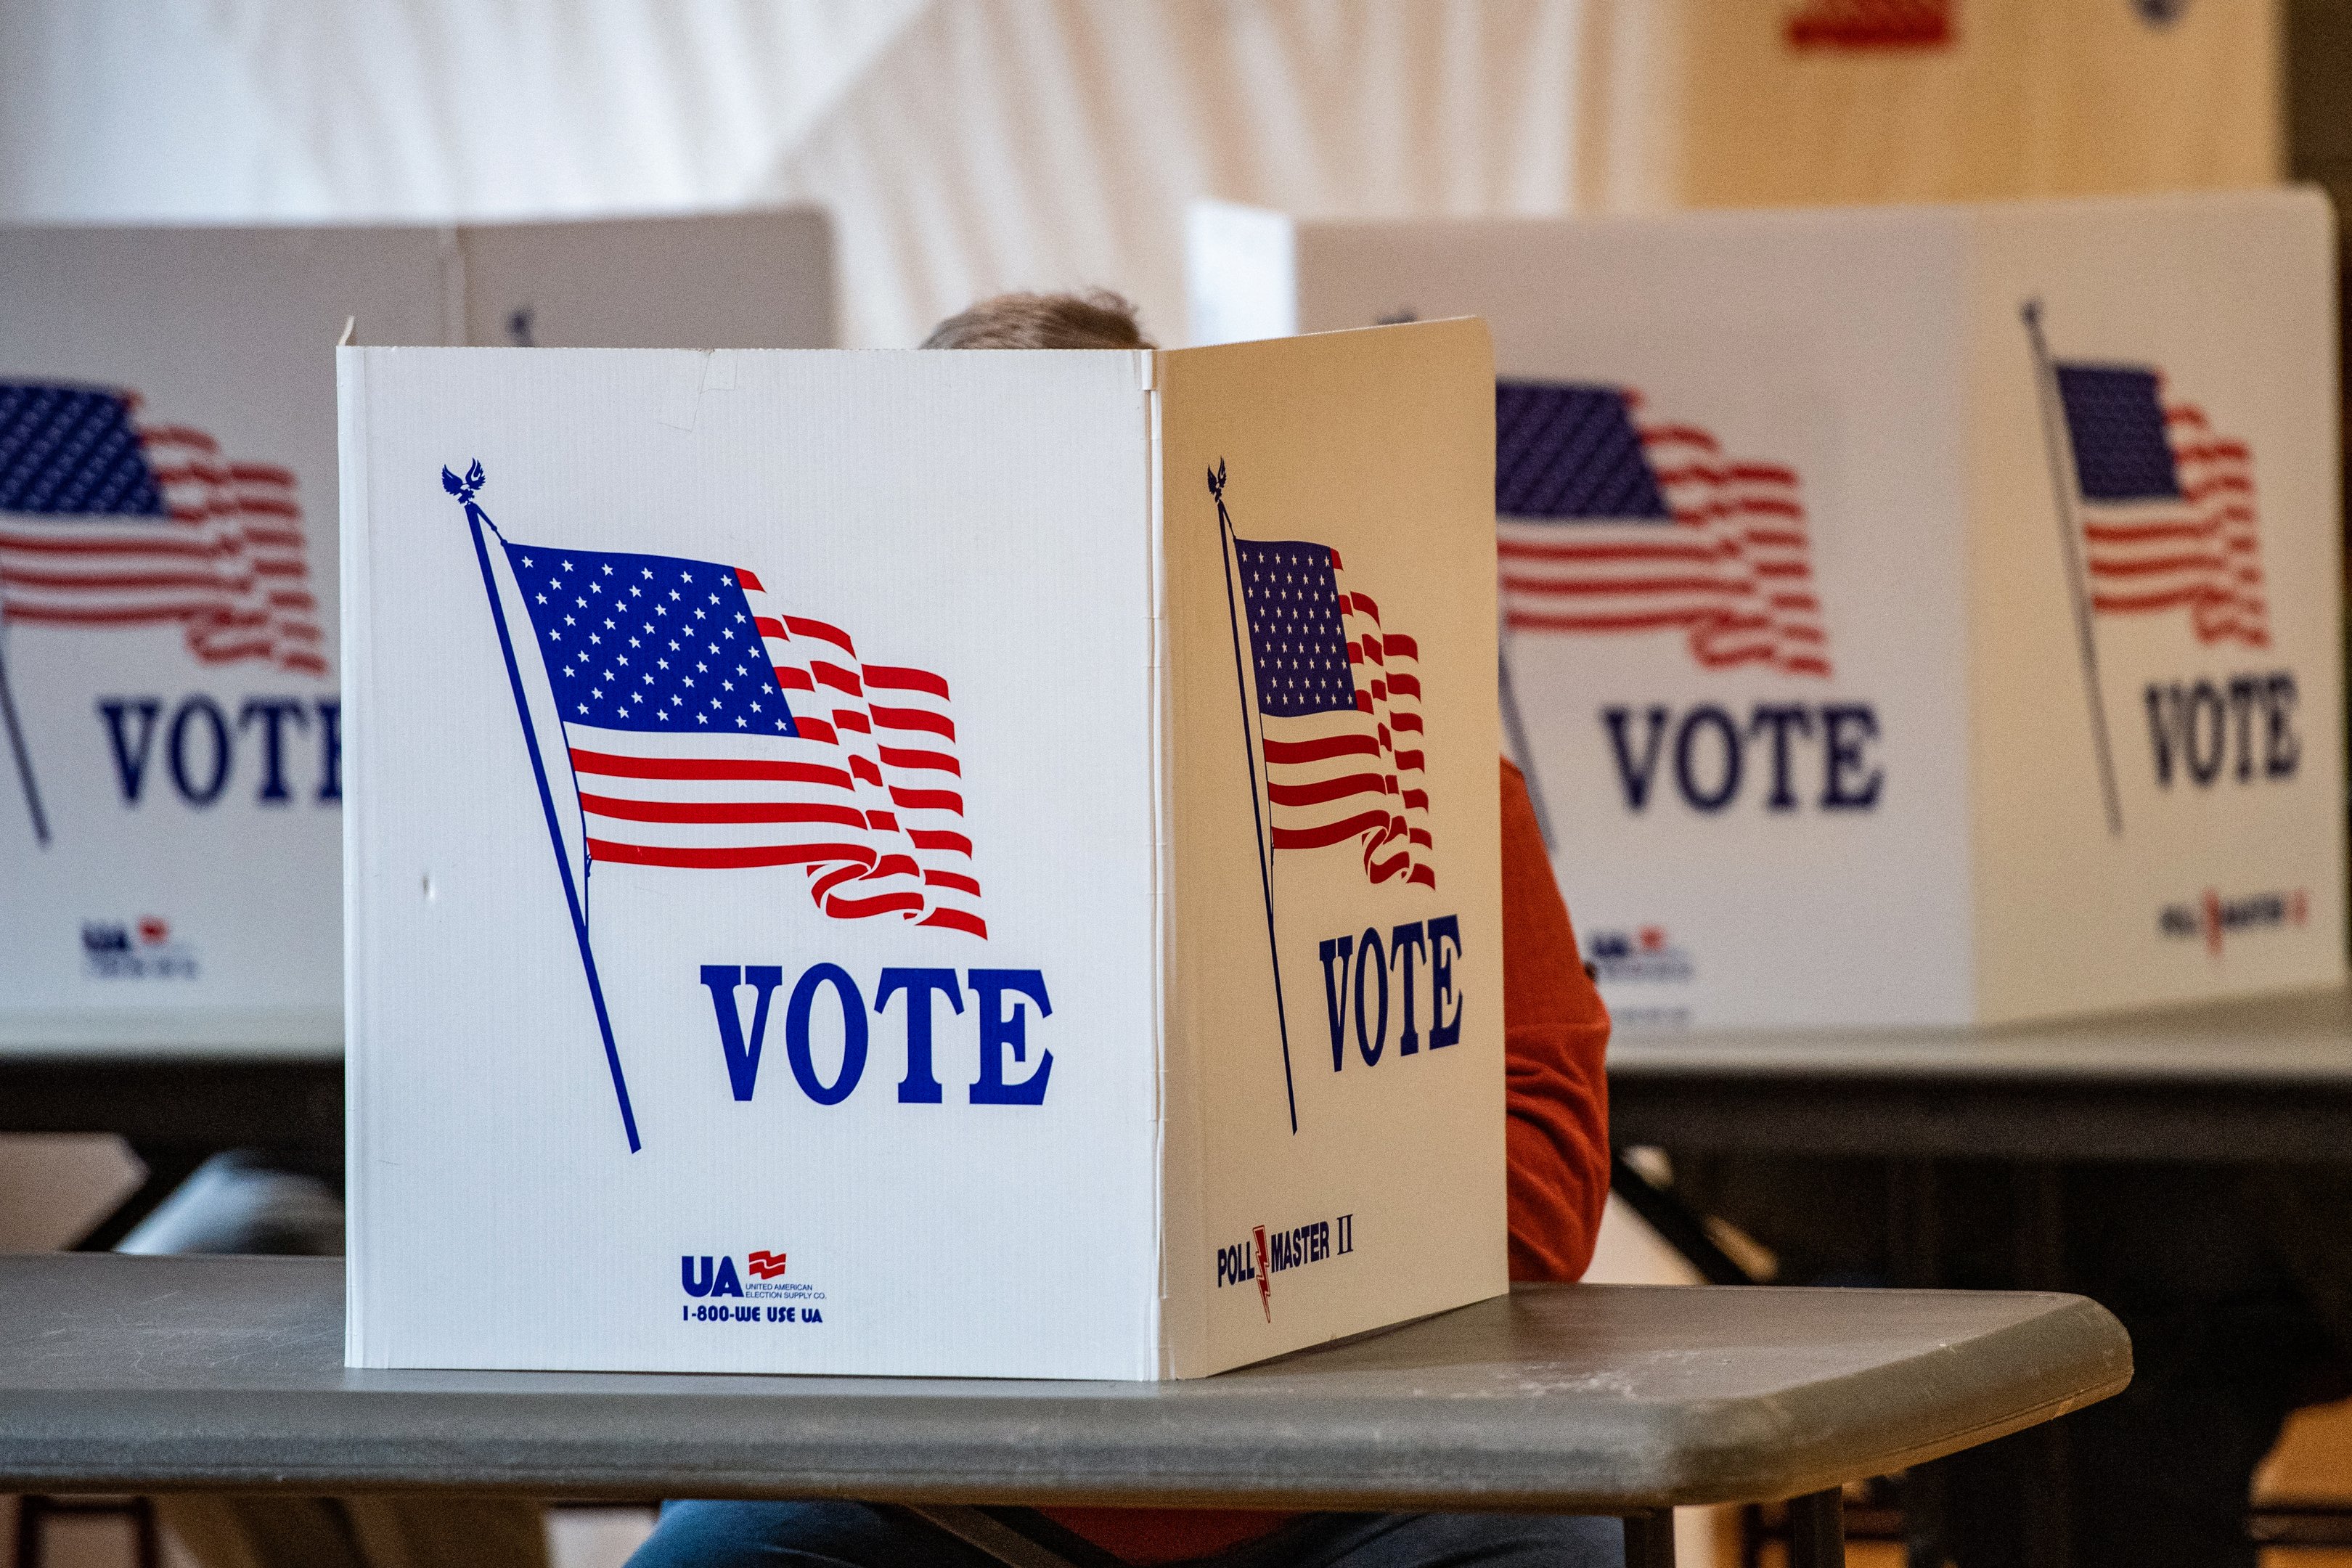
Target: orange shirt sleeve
[(1555, 1036)]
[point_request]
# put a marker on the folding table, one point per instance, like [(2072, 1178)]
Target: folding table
[(191, 1374), (2222, 1084)]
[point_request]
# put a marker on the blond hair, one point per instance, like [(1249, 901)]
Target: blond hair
[(1098, 319)]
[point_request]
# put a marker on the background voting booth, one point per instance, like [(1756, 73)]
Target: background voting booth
[(170, 796), (1867, 100), (728, 732), (1921, 616)]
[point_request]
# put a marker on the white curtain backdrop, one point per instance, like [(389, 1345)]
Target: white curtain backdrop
[(963, 146), (966, 146)]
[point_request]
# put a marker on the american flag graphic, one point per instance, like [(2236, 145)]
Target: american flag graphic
[(1339, 703), (2168, 506), (1607, 524), (706, 729), (107, 520)]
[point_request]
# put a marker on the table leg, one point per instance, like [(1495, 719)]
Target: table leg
[(1650, 1539), (1920, 1493), (1914, 1231), (1817, 1530), (1914, 1234), (2039, 1194)]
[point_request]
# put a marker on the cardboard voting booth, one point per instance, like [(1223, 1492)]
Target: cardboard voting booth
[(171, 778), (1913, 616), (919, 863)]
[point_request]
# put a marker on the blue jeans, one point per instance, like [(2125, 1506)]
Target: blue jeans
[(852, 1535)]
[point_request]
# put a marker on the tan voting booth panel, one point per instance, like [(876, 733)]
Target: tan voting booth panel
[(1913, 616), (171, 722), (1763, 102), (968, 864)]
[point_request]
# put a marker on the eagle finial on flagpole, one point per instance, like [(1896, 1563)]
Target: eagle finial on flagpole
[(466, 489)]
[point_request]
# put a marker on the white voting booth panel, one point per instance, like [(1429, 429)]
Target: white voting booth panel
[(921, 863), (1912, 616), (171, 787)]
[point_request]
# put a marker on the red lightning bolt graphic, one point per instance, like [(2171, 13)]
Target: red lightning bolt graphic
[(1265, 1278)]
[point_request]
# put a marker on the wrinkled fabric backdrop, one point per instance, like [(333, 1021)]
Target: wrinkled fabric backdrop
[(966, 146)]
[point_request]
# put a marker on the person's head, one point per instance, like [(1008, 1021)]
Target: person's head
[(1098, 319)]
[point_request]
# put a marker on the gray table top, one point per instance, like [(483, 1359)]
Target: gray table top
[(178, 1373), (207, 1034), (2304, 1037)]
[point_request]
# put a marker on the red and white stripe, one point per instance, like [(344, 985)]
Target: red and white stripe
[(226, 560), (1358, 774), (2202, 552), (868, 797), (1733, 571)]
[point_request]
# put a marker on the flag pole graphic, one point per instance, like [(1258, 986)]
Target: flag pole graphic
[(1515, 731), (477, 519), (16, 745), (1249, 755), (2063, 483)]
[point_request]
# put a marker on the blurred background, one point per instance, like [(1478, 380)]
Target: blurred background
[(966, 146)]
